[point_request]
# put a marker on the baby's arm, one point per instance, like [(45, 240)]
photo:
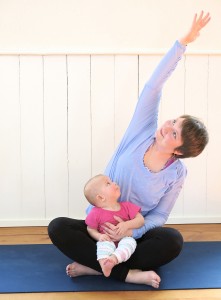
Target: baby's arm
[(135, 223), (97, 235)]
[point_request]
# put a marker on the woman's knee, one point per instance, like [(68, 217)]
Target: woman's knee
[(175, 240), (170, 239), (65, 228), (56, 224), (56, 227)]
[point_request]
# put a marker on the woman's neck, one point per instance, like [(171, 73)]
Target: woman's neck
[(156, 160)]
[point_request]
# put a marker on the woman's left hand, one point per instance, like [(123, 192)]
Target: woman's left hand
[(198, 23), (111, 230)]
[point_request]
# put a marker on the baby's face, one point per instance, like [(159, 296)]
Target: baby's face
[(109, 189)]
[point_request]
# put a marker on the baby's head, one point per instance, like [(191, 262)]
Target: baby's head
[(100, 190)]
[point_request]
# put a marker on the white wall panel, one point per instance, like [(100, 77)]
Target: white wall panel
[(214, 125), (32, 137), (173, 96), (55, 126), (126, 92), (196, 102), (172, 106), (62, 117), (10, 152), (147, 64), (79, 132), (102, 111)]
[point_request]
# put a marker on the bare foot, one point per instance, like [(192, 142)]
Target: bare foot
[(143, 277), (75, 269), (107, 264)]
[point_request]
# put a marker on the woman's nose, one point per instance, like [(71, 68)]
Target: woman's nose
[(168, 127)]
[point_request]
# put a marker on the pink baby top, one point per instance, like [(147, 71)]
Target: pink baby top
[(99, 216)]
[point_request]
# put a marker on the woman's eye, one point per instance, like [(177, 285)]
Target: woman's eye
[(174, 121), (174, 134)]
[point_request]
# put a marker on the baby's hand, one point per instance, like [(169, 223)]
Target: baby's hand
[(104, 237)]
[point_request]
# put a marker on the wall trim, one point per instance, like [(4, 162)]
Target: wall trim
[(172, 220), (194, 220), (99, 51)]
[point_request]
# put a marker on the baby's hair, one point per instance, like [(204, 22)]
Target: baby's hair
[(90, 191)]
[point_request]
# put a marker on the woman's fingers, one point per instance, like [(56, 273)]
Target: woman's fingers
[(201, 21)]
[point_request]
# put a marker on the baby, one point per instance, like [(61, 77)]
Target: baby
[(103, 194)]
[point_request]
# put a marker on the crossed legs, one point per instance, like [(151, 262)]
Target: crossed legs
[(156, 248)]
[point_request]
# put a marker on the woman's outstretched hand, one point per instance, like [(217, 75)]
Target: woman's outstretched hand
[(197, 24)]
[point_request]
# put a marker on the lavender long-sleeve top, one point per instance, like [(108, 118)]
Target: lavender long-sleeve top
[(155, 193)]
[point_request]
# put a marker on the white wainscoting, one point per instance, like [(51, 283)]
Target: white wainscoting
[(61, 117)]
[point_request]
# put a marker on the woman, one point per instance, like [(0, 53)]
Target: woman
[(148, 168)]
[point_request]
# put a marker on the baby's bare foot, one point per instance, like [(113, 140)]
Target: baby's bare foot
[(75, 269), (143, 277), (107, 264)]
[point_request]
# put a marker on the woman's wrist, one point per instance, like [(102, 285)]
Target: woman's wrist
[(183, 41)]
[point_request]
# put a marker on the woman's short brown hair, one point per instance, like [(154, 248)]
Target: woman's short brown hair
[(194, 135)]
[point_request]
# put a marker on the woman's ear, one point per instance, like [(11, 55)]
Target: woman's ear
[(177, 152)]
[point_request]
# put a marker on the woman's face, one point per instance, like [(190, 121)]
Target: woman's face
[(168, 136)]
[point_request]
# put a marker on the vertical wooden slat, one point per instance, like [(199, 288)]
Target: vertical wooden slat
[(55, 121), (79, 132), (196, 85), (147, 65), (172, 102), (32, 137), (173, 93), (172, 107), (126, 92), (102, 109), (10, 159), (214, 125)]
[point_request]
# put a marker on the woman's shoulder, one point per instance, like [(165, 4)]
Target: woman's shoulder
[(175, 171), (181, 168)]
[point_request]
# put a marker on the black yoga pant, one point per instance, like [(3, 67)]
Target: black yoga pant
[(156, 248)]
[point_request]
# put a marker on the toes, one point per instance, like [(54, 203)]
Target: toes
[(155, 284), (67, 268)]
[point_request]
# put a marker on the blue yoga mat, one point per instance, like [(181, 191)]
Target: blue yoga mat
[(41, 268)]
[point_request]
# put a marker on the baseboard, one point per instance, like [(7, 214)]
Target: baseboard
[(194, 220), (23, 223), (171, 220)]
